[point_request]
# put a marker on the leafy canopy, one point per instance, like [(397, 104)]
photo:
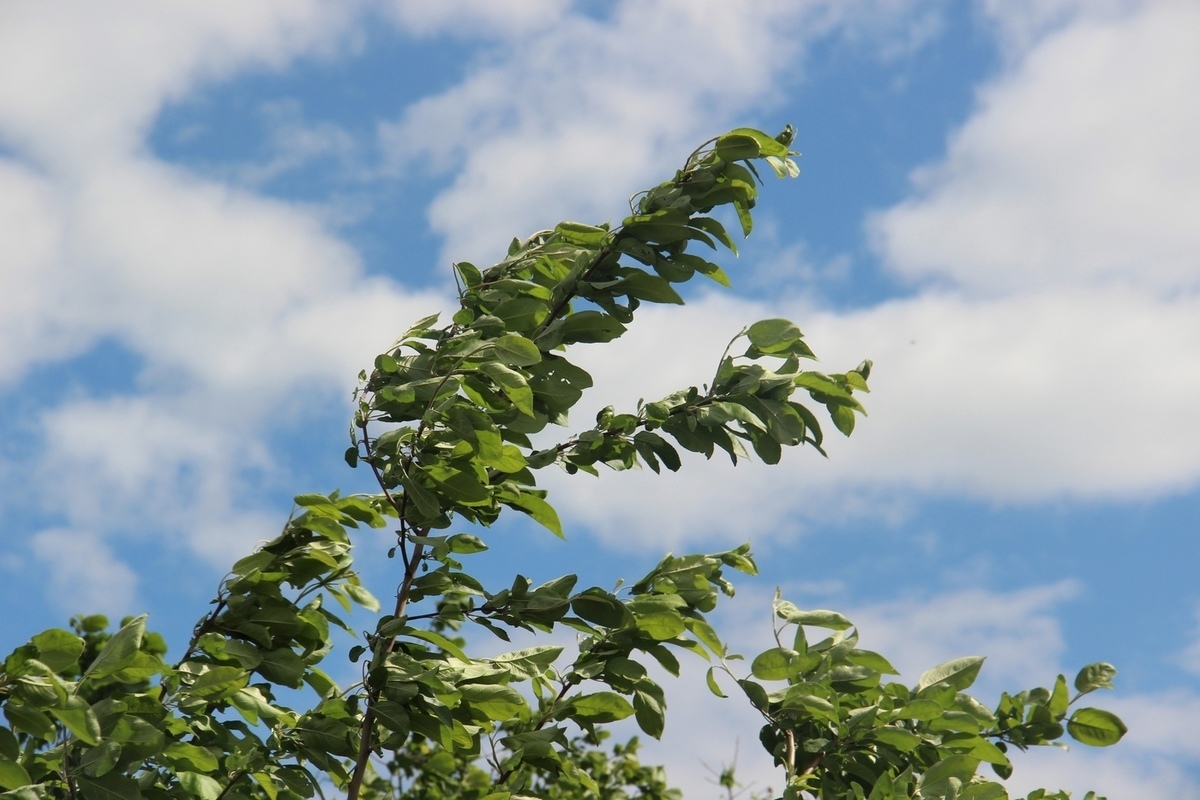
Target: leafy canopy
[(445, 421)]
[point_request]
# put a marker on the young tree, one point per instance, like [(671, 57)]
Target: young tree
[(444, 421)]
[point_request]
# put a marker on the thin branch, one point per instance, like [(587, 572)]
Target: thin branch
[(385, 648), (237, 776)]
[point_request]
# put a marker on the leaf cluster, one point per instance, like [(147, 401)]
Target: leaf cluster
[(839, 730), (454, 422)]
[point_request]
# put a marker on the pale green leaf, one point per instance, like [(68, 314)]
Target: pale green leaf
[(118, 651), (957, 674), (1096, 727)]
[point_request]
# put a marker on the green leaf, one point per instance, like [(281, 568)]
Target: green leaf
[(776, 664), (184, 756), (658, 621), (25, 719), (512, 384), (898, 738), (517, 351), (590, 326), (767, 145), (465, 544), (920, 710), (743, 215), (957, 674), (109, 787), (79, 719), (540, 510), (600, 607), (469, 274), (58, 649), (959, 767), (578, 233), (494, 702), (773, 335), (219, 683), (645, 286), (101, 759), (437, 639), (392, 715), (529, 663), (711, 679), (425, 500), (360, 595), (13, 775), (650, 709), (119, 651), (1096, 727), (1059, 700), (736, 146), (819, 618), (522, 313), (717, 230), (200, 786), (600, 707), (756, 694), (1095, 676), (281, 666)]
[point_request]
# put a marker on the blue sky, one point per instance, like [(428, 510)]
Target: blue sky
[(212, 215)]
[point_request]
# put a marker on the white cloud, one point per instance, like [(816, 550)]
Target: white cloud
[(244, 313), (1017, 631), (1020, 24), (1082, 394), (77, 79), (86, 576), (487, 18), (578, 116), (1077, 168), (1157, 758), (1020, 633), (34, 317)]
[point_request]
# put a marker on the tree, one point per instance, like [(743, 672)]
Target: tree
[(445, 421)]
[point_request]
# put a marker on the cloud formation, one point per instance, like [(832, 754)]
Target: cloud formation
[(1076, 169), (566, 123), (241, 312)]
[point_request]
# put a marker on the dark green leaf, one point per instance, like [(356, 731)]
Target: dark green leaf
[(601, 608), (282, 666), (590, 326), (109, 787), (600, 707)]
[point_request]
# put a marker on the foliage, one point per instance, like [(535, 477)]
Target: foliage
[(446, 421)]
